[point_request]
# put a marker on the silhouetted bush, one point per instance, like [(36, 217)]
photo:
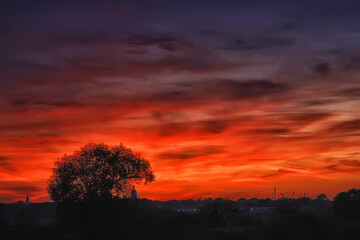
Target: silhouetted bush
[(346, 205)]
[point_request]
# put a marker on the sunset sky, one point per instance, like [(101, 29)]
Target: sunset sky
[(224, 98)]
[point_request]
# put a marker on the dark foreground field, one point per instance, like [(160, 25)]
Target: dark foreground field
[(207, 219)]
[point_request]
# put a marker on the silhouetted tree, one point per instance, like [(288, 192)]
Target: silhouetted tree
[(97, 171), (347, 204), (322, 196)]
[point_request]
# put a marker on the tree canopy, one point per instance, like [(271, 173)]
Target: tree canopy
[(322, 197), (347, 204), (97, 171)]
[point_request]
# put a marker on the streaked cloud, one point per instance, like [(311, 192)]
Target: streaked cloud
[(226, 99)]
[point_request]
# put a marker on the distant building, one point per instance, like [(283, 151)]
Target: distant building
[(133, 193), (188, 210), (260, 211), (27, 199)]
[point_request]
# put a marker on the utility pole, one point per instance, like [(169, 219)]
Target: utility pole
[(274, 194)]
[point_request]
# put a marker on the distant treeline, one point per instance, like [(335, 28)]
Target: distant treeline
[(285, 218)]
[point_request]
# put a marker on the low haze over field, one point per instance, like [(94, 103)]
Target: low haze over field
[(224, 98)]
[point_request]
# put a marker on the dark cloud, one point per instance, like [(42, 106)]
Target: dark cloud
[(352, 63), (193, 94), (351, 163), (150, 39), (32, 66), (310, 117), (271, 131), (233, 90), (289, 26), (6, 164), (157, 114), (60, 103), (322, 68), (355, 60), (69, 103), (20, 187), (332, 168), (169, 129), (317, 102), (190, 152), (82, 38), (163, 41), (224, 89), (351, 93), (279, 172), (96, 64), (137, 43), (215, 126), (260, 43), (343, 166), (19, 101), (347, 126)]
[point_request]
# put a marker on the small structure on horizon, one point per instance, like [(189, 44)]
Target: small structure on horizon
[(133, 193), (274, 194), (27, 199)]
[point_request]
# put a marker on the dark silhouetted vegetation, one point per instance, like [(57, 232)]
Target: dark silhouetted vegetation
[(347, 205), (123, 218), (97, 171)]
